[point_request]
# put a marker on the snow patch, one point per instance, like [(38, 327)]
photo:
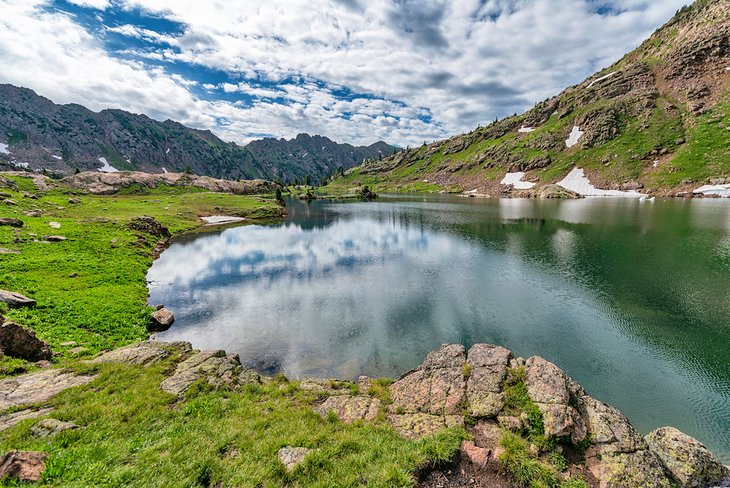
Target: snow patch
[(515, 179), (525, 129), (164, 170), (21, 165), (56, 157), (167, 151), (597, 80), (221, 219), (577, 181), (574, 136), (719, 190), (4, 148), (106, 167)]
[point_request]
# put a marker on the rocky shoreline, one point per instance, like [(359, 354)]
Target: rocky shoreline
[(485, 389)]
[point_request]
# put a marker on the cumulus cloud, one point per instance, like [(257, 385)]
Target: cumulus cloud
[(398, 70)]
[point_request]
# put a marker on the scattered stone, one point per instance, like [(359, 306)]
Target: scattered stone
[(11, 419), (11, 222), (291, 457), (32, 213), (69, 343), (322, 385), (51, 427), (55, 225), (8, 201), (23, 465), (217, 367), (487, 368), (437, 387), (78, 350), (144, 353), (37, 387), (478, 456), (18, 342), (14, 299), (364, 384), (32, 196), (8, 251), (415, 426), (149, 225), (55, 238), (350, 408), (4, 194), (73, 275), (688, 461), (74, 201), (160, 320), (43, 363)]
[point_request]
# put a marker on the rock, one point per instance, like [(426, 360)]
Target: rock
[(216, 367), (55, 225), (8, 201), (418, 425), (43, 363), (4, 194), (51, 427), (55, 238), (149, 225), (11, 222), (23, 465), (546, 383), (350, 408), (478, 456), (32, 213), (291, 457), (37, 387), (628, 470), (510, 422), (437, 387), (688, 461), (19, 342), (11, 419), (8, 251), (487, 367), (320, 385), (15, 299), (68, 343), (78, 350), (161, 320), (145, 353), (74, 201), (610, 430)]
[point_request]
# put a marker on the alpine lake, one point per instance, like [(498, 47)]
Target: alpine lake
[(630, 298)]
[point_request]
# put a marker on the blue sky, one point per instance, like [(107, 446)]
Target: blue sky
[(357, 71)]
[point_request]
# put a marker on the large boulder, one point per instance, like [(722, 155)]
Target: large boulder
[(487, 370), (14, 299), (689, 462), (18, 342), (437, 387), (548, 388), (628, 470), (23, 465)]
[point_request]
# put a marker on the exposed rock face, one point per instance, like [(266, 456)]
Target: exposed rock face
[(291, 457), (487, 366), (14, 299), (548, 388), (437, 387), (37, 387), (690, 463), (23, 465), (18, 342), (216, 367), (51, 427), (160, 320), (145, 353), (350, 408)]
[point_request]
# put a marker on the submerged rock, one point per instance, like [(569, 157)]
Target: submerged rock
[(688, 460), (23, 465)]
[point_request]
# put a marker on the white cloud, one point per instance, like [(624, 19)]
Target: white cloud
[(462, 62)]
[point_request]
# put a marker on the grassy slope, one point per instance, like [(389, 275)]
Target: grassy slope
[(132, 433)]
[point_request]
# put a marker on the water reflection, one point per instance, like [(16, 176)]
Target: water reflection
[(629, 299)]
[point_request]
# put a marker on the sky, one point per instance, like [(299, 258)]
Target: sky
[(357, 71)]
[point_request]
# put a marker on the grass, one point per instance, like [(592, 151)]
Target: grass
[(91, 287), (133, 434)]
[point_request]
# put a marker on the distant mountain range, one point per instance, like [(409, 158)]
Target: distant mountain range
[(657, 120), (36, 134)]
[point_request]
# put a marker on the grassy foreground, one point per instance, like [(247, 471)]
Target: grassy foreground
[(91, 290)]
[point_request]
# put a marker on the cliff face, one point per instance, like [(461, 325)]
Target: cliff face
[(658, 118), (36, 133)]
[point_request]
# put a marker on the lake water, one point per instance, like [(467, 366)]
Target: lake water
[(632, 299)]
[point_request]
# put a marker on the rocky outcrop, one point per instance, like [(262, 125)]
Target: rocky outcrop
[(145, 353), (23, 466), (216, 368), (18, 342), (689, 462), (14, 299), (38, 387)]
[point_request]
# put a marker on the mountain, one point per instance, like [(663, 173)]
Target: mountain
[(657, 119), (36, 133)]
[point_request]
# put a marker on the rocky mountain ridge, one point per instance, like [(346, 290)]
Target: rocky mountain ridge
[(36, 134), (658, 120)]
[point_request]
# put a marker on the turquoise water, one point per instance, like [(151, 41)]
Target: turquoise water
[(631, 299)]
